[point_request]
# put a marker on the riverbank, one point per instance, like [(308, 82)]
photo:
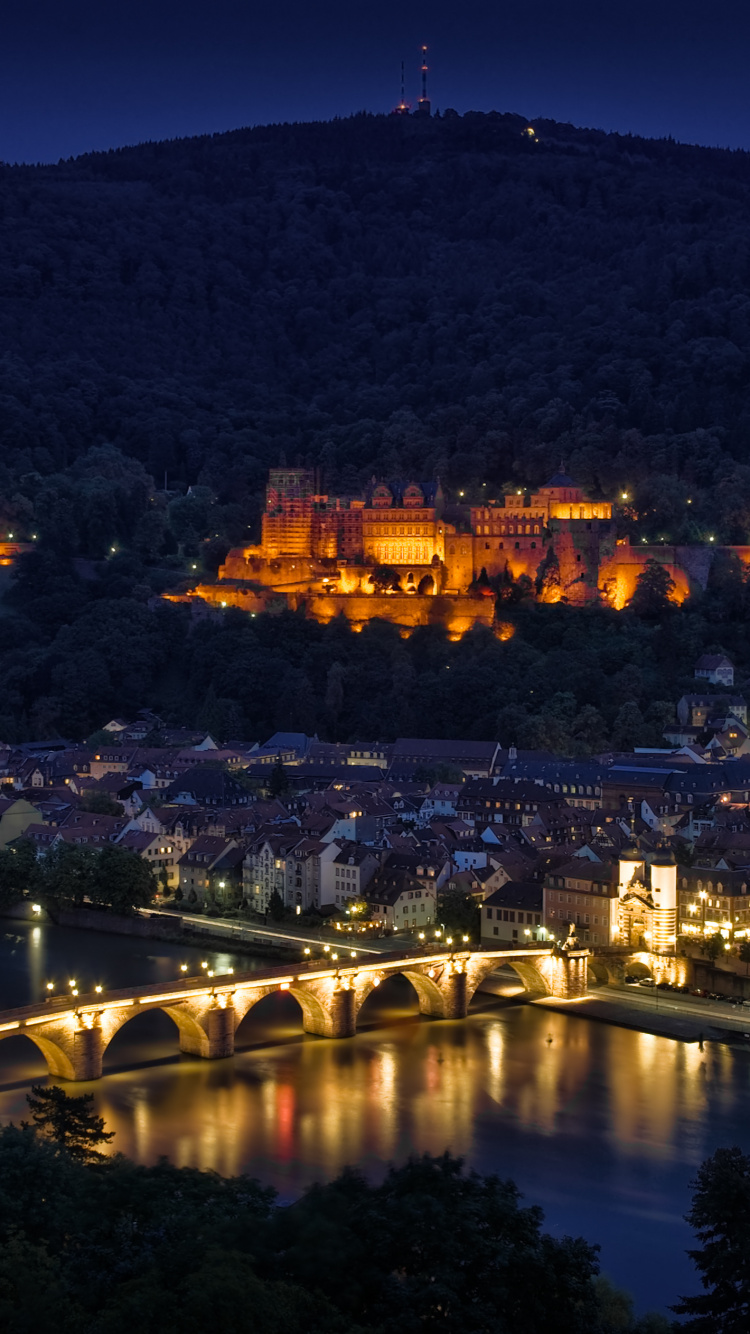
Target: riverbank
[(175, 930), (689, 1019)]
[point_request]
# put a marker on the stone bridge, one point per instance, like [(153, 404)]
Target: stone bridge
[(73, 1033)]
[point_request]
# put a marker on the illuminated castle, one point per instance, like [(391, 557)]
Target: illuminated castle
[(392, 552)]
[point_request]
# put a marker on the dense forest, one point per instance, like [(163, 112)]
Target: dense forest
[(452, 297), (449, 297), (77, 650)]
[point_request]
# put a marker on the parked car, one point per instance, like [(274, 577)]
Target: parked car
[(647, 982)]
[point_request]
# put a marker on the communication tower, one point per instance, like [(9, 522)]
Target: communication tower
[(403, 107), (423, 107)]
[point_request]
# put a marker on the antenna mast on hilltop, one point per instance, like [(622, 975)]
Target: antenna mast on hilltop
[(403, 107), (424, 101)]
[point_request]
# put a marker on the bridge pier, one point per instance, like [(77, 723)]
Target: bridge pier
[(211, 1034), (220, 1028), (337, 1019), (449, 999), (88, 1050), (566, 974)]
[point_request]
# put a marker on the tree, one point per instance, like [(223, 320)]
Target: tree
[(654, 589), (712, 946), (278, 782), (276, 906), (589, 731), (122, 880), (70, 1122), (548, 582), (384, 579), (20, 873), (628, 727), (441, 1231), (744, 954), (458, 913), (69, 874), (720, 1217), (99, 802)]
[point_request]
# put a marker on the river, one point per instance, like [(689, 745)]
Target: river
[(602, 1126)]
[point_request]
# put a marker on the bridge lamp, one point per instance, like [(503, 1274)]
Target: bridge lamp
[(307, 949), (334, 956), (72, 982), (230, 970), (183, 967), (97, 989), (421, 935), (465, 938), (75, 991), (50, 986), (326, 948), (204, 964), (353, 954), (210, 972), (449, 940)]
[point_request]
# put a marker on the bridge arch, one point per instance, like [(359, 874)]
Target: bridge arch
[(192, 1035), (313, 1009), (532, 977), (431, 998), (58, 1061)]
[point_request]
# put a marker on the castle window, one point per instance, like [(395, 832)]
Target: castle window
[(517, 545), (533, 546), (500, 546)]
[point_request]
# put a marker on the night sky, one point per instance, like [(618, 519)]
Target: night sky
[(84, 75)]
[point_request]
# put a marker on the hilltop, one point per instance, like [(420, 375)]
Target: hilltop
[(452, 297)]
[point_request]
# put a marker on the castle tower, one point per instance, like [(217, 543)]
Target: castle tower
[(664, 894)]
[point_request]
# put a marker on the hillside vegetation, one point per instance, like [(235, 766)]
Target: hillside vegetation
[(376, 295)]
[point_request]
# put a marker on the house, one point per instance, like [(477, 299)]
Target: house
[(302, 874), (716, 668), (264, 866), (196, 865), (204, 786), (347, 875), (476, 759), (226, 876), (440, 801), (16, 815), (698, 710), (160, 853), (400, 902), (584, 893), (512, 915)]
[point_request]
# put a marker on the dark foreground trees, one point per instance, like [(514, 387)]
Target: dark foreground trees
[(105, 1247), (720, 1217)]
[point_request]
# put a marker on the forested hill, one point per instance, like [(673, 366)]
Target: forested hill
[(449, 297)]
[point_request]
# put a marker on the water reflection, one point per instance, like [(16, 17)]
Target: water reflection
[(602, 1126)]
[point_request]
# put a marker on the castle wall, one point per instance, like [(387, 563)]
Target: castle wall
[(618, 575), (408, 610)]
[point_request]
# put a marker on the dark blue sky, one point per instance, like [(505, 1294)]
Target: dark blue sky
[(86, 75)]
